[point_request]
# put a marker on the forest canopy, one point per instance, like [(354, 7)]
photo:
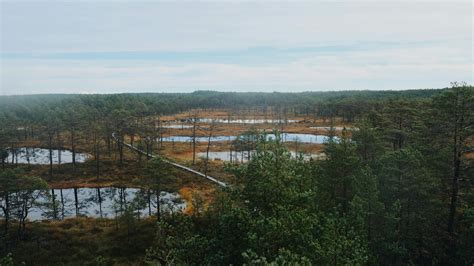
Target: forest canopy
[(394, 187)]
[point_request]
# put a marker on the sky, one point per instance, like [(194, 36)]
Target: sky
[(117, 46)]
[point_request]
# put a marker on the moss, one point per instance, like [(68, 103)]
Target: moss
[(82, 240)]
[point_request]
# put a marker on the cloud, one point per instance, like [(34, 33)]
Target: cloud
[(396, 68), (167, 26), (114, 46)]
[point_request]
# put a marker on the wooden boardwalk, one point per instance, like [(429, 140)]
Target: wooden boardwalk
[(182, 167)]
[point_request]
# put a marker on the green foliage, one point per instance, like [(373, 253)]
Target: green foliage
[(3, 154), (369, 141), (466, 238), (381, 196), (285, 257), (7, 260), (343, 173), (177, 243), (101, 261), (273, 218)]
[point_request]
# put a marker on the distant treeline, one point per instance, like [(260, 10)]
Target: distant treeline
[(348, 104)]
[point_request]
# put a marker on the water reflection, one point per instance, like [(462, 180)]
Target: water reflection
[(27, 155), (239, 121), (177, 126), (58, 204), (285, 137), (244, 156), (198, 139), (335, 128)]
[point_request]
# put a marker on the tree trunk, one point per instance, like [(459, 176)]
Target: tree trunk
[(62, 203), (6, 212), (457, 154), (50, 159), (208, 147), (59, 146), (158, 207), (97, 159), (73, 149), (76, 202), (55, 210), (454, 192), (99, 198), (120, 150), (459, 128), (194, 141), (149, 203)]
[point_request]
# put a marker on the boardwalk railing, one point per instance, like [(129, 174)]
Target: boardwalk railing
[(182, 167)]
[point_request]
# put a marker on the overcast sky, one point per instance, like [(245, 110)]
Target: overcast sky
[(118, 46)]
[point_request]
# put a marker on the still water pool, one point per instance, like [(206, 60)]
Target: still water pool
[(58, 204)]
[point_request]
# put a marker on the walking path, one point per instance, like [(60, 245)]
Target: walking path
[(182, 167)]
